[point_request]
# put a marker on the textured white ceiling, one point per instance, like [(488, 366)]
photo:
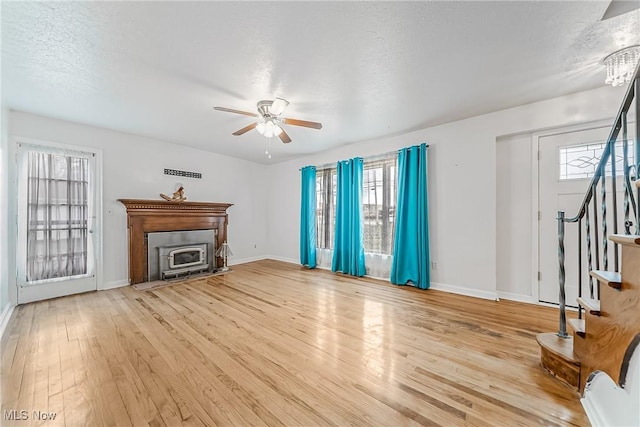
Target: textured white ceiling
[(363, 69)]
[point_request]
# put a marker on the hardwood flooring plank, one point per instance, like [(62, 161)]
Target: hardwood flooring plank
[(139, 342), (335, 392), (274, 344), (282, 380)]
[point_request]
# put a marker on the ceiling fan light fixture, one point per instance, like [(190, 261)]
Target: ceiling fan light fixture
[(278, 106), (269, 128)]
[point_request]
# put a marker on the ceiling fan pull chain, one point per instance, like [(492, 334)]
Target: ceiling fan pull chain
[(268, 145)]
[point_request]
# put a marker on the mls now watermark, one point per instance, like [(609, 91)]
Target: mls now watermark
[(24, 415)]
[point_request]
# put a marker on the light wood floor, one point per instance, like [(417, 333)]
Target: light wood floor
[(271, 344)]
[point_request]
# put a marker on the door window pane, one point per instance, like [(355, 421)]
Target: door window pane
[(57, 216), (580, 161)]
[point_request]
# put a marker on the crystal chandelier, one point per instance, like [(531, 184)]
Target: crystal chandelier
[(621, 65)]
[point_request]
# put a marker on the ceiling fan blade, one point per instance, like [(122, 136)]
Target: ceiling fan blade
[(278, 106), (245, 129), (230, 110), (304, 123), (284, 137), (619, 7)]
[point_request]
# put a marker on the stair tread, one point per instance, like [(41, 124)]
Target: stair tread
[(562, 347), (610, 278), (578, 326), (591, 305), (623, 239)]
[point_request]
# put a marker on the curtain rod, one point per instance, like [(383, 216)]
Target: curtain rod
[(368, 158)]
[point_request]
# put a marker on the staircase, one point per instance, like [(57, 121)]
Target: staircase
[(597, 357), (605, 338)]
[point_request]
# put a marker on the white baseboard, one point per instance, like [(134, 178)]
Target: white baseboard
[(437, 286), (517, 297), (114, 284), (596, 418), (283, 259), (464, 291), (262, 257), (231, 261), (4, 318)]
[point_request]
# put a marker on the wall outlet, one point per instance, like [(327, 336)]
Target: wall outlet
[(434, 265)]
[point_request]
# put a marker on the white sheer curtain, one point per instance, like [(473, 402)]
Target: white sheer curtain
[(57, 215), (325, 215), (378, 265), (324, 258), (379, 201)]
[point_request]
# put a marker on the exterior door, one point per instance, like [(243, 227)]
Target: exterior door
[(565, 168), (57, 242)]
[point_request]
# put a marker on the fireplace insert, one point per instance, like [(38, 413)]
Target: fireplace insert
[(182, 259)]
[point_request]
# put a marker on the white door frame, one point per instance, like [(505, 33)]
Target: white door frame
[(535, 192), (14, 209)]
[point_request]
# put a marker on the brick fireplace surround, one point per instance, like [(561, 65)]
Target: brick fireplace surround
[(149, 216)]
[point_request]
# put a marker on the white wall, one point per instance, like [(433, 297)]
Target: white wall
[(462, 184), (4, 160), (133, 168), (514, 207), (4, 230), (5, 304)]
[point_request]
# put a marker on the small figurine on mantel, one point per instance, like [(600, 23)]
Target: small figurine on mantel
[(178, 195)]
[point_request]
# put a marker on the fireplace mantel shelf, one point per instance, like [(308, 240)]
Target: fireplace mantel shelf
[(142, 204), (150, 216)]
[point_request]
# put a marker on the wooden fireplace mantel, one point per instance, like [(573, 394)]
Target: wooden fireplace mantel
[(150, 216)]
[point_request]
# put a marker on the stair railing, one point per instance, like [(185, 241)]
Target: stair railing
[(598, 233)]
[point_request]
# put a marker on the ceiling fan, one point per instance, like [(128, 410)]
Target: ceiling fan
[(619, 7), (269, 121)]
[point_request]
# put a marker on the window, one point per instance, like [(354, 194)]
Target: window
[(379, 205), (325, 207), (580, 161), (57, 215)]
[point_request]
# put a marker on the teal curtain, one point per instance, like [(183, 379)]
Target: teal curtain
[(308, 217), (411, 245), (348, 248)]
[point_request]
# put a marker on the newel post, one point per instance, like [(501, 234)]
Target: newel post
[(562, 331)]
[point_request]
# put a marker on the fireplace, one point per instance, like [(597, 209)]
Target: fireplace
[(148, 217)]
